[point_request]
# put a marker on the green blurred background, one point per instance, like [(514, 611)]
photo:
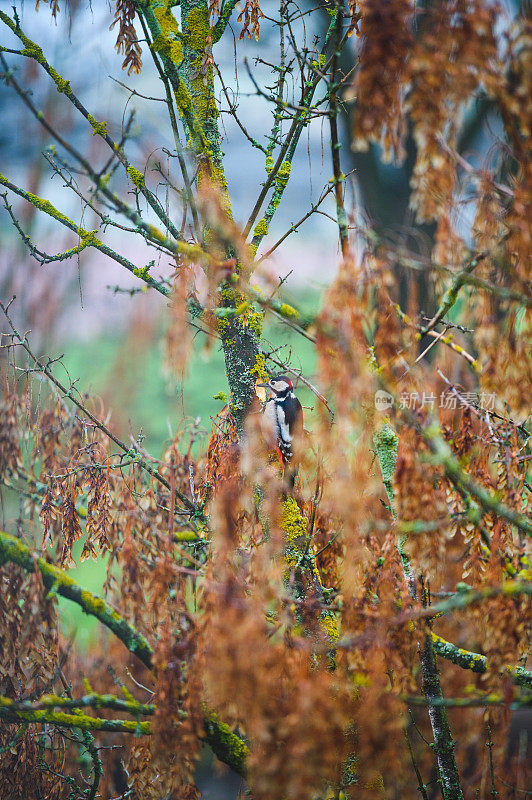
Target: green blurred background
[(128, 373)]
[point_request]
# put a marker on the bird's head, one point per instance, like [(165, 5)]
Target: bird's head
[(279, 385)]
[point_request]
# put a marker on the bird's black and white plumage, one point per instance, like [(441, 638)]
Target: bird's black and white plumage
[(282, 419)]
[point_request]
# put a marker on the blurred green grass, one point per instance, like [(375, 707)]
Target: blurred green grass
[(127, 372)]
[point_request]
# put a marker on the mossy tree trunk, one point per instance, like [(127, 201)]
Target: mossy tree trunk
[(186, 58)]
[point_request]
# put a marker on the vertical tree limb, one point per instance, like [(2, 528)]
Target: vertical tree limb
[(341, 215), (386, 444)]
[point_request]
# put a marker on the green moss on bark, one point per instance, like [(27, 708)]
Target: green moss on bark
[(386, 443)]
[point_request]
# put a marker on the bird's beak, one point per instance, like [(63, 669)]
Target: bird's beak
[(265, 385)]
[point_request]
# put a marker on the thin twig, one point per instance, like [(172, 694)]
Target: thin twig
[(100, 425)]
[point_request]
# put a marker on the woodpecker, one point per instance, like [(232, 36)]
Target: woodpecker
[(282, 417)]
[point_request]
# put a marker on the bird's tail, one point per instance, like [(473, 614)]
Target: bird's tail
[(290, 474)]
